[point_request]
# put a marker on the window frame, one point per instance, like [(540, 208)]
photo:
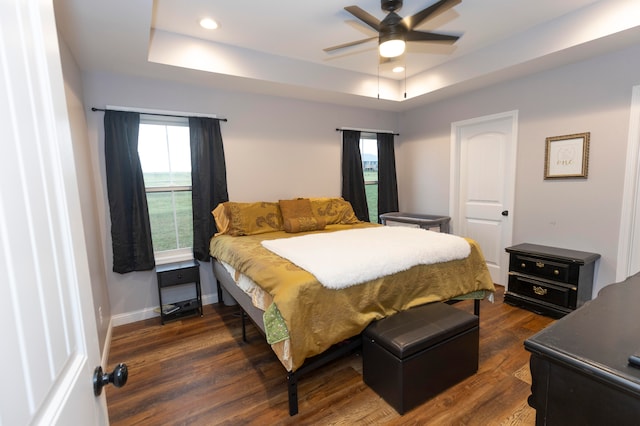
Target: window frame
[(178, 254), (369, 136)]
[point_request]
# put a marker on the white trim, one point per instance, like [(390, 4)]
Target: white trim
[(133, 316), (171, 256), (160, 111), (107, 345), (164, 120), (367, 130), (147, 313), (167, 189), (629, 209)]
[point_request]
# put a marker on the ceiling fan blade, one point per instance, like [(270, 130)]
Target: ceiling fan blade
[(439, 7), (364, 16), (424, 36), (353, 43)]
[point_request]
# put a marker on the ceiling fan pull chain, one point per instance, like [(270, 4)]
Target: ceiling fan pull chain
[(405, 79)]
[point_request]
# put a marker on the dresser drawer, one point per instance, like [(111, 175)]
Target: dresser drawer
[(557, 295), (179, 276), (543, 268)]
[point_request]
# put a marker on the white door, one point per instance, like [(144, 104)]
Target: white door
[(483, 155), (49, 337)]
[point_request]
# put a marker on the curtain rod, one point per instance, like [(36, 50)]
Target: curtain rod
[(160, 115), (339, 129)]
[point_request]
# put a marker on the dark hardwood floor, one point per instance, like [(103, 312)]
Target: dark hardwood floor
[(198, 371)]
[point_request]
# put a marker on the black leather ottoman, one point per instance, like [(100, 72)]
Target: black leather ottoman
[(413, 355)]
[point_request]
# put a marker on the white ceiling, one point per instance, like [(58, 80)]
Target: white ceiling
[(277, 47)]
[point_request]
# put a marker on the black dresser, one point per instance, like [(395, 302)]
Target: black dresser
[(579, 364), (549, 280)]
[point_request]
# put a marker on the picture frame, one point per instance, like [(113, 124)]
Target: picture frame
[(567, 156)]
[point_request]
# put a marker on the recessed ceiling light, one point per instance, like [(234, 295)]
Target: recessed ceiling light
[(398, 69), (208, 24)]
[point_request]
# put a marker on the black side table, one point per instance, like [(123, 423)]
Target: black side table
[(175, 274), (549, 280)]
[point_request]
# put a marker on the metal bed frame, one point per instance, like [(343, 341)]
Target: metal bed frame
[(224, 280)]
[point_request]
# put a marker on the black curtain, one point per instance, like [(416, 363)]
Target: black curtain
[(352, 176), (387, 182), (130, 227), (208, 180)]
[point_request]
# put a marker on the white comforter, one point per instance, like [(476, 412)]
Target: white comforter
[(344, 258)]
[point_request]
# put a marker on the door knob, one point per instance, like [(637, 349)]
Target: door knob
[(118, 377), (505, 213)]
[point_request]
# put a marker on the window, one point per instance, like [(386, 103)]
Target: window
[(369, 155), (165, 157)]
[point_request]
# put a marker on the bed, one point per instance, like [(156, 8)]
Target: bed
[(307, 323)]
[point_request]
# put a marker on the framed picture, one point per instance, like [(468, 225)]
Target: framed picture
[(567, 156)]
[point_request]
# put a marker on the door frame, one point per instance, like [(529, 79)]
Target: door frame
[(510, 183), (629, 238)]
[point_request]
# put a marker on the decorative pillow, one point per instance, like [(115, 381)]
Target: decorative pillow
[(248, 218), (222, 220), (303, 224), (291, 209), (298, 217), (333, 210)]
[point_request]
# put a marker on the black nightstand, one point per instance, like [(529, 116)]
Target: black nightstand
[(175, 274), (549, 280)]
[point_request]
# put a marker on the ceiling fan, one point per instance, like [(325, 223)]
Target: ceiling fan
[(394, 31)]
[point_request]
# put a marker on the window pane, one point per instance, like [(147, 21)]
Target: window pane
[(371, 190), (170, 231), (184, 215), (165, 155), (369, 155)]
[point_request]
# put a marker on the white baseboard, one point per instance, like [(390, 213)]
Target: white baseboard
[(146, 313), (104, 362)]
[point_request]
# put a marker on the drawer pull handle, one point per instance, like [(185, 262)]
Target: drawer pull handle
[(556, 272), (523, 265), (540, 264), (540, 291)]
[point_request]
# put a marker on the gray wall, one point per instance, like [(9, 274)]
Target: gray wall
[(87, 182), (275, 148), (591, 96), (282, 148)]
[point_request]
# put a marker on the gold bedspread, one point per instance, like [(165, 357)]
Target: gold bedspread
[(318, 317)]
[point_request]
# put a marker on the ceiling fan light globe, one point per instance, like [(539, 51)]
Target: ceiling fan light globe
[(392, 48)]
